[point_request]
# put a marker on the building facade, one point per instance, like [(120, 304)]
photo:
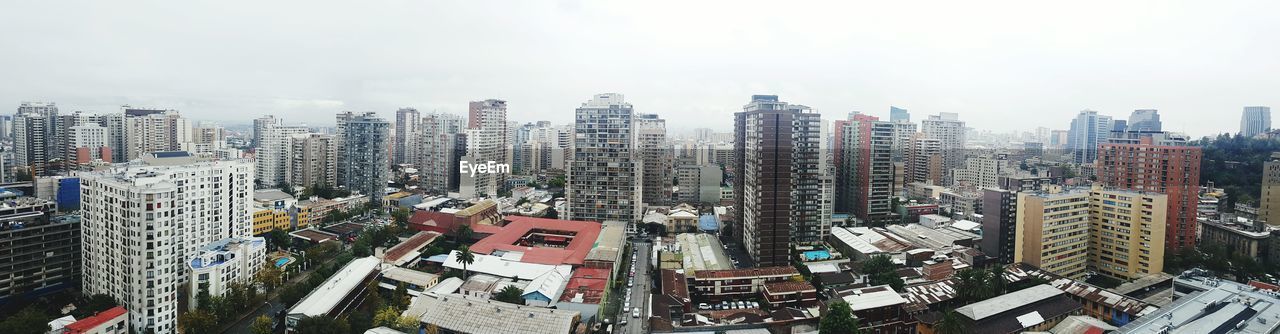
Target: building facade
[(604, 181), (1255, 120), (313, 160), (1053, 232), (272, 158), (777, 192), (217, 265), (41, 253), (1161, 168), (142, 221), (652, 149), (1126, 233), (363, 159)]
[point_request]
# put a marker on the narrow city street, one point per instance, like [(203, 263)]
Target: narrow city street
[(640, 291)]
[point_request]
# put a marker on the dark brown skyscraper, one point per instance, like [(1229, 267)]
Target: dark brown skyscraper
[(777, 193)]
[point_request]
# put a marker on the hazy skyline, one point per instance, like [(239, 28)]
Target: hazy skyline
[(1001, 65)]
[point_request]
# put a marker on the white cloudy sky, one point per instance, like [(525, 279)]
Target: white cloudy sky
[(1001, 65)]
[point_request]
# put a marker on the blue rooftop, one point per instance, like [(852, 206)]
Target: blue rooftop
[(708, 222)]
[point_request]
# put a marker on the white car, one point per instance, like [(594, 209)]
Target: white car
[(635, 312), (704, 306), (630, 283)]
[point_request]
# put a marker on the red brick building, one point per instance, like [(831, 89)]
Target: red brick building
[(1167, 169), (789, 293)]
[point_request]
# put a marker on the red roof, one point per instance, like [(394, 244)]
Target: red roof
[(590, 282), (505, 238), (89, 323), (1262, 285), (674, 285), (788, 287), (746, 272), (416, 242), (434, 221)]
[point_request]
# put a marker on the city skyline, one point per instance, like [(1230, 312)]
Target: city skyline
[(843, 58)]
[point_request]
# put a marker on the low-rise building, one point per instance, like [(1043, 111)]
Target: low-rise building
[(738, 283), (1204, 304), (879, 309), (219, 264), (266, 220), (789, 293), (451, 313), (114, 320), (1036, 309), (337, 294)]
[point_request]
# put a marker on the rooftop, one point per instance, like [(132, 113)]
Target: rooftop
[(457, 313), (410, 276), (409, 249), (873, 297), (314, 235), (1222, 307), (326, 297), (1008, 301), (586, 286), (788, 286), (269, 195), (533, 232), (747, 272), (89, 323), (498, 266), (702, 252)]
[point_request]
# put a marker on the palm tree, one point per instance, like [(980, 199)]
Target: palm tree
[(950, 324), (465, 258)]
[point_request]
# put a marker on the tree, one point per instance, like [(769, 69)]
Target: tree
[(278, 239), (29, 320), (950, 324), (510, 294), (387, 316), (462, 233), (323, 325), (839, 320), (465, 258), (401, 296), (200, 321), (261, 325), (269, 276), (323, 250), (401, 217), (881, 271)]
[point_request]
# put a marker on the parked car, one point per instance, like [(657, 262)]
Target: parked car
[(755, 304), (630, 283), (635, 312), (704, 306)]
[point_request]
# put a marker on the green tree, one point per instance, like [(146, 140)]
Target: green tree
[(386, 316), (261, 325), (880, 270), (401, 217), (323, 325), (950, 324), (839, 320), (278, 239), (199, 321), (465, 258), (401, 296), (269, 276), (29, 320), (510, 294), (462, 233)]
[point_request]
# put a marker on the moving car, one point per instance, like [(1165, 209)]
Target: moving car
[(635, 312)]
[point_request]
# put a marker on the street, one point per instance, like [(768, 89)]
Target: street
[(640, 291)]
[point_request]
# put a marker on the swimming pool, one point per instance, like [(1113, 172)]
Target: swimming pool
[(282, 261), (814, 255)]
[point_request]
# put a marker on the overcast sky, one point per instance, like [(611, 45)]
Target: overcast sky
[(1001, 65)]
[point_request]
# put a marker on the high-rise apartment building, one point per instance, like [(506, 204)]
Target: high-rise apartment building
[(406, 137), (144, 220), (260, 125), (159, 131), (1269, 203), (604, 182), (867, 170), (1144, 120), (983, 171), (35, 140), (777, 193), (272, 158), (313, 160), (438, 151), (88, 142), (1126, 233), (1052, 232), (999, 223), (1255, 120), (486, 141), (652, 149), (949, 131), (41, 252), (699, 183), (363, 154), (1161, 168), (924, 160)]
